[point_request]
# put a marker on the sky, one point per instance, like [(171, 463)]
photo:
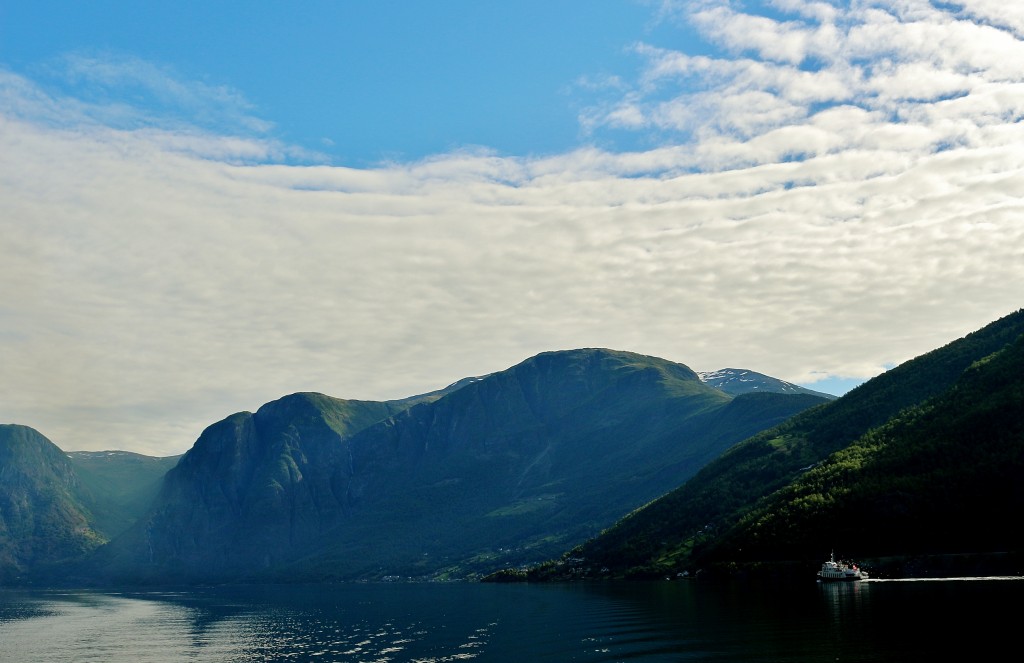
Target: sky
[(205, 206)]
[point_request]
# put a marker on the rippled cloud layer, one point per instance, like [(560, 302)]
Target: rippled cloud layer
[(839, 188)]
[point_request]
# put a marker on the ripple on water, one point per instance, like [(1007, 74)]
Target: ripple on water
[(462, 622)]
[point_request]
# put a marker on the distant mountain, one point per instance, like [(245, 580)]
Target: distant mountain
[(44, 519), (925, 457), (738, 381), (507, 468), (121, 485), (429, 397)]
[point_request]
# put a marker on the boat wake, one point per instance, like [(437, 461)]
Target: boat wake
[(960, 579)]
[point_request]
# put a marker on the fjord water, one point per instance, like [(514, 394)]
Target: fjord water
[(666, 621)]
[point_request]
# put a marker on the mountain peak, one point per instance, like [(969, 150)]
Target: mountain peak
[(736, 381)]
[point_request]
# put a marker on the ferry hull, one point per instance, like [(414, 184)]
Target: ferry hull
[(843, 579)]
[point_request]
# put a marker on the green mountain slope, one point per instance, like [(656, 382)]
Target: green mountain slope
[(675, 531), (43, 517), (942, 477), (510, 467)]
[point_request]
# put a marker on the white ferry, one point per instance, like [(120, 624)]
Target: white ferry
[(833, 570)]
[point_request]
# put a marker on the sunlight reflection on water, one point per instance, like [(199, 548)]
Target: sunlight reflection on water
[(106, 627)]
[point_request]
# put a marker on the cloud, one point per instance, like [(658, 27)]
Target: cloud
[(102, 77), (797, 220), (1003, 15), (772, 40), (885, 57)]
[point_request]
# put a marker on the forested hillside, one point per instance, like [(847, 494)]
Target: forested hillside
[(941, 477)]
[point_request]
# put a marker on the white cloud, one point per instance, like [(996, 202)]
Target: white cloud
[(998, 13), (800, 221)]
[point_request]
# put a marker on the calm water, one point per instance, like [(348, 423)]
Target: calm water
[(677, 621)]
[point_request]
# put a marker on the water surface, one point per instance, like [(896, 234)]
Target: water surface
[(667, 621)]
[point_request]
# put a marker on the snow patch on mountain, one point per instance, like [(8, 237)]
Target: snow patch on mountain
[(736, 381)]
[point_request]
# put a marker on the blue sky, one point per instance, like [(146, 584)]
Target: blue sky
[(206, 206), (360, 82)]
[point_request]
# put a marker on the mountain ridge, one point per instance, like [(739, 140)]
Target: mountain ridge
[(510, 464)]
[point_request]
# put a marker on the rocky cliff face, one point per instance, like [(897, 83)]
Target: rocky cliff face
[(254, 488)]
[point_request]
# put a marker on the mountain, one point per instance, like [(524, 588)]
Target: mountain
[(940, 429), (507, 468), (941, 477), (253, 488), (738, 381), (56, 508), (44, 519), (121, 485)]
